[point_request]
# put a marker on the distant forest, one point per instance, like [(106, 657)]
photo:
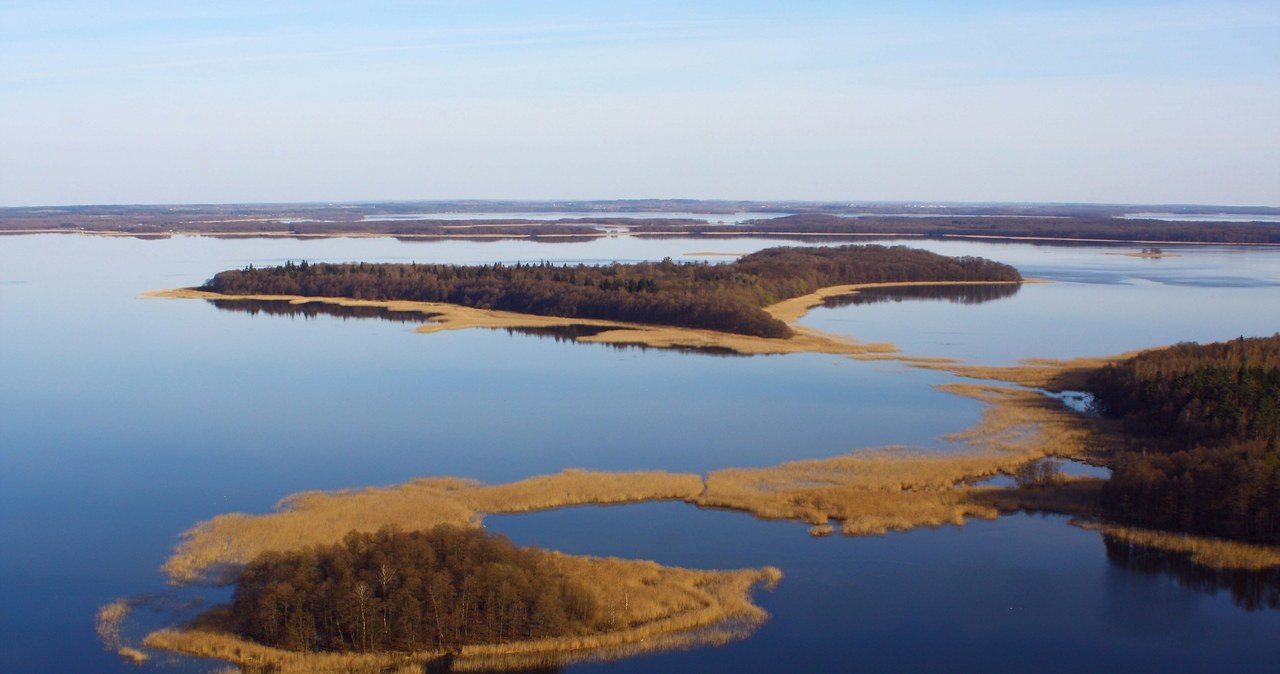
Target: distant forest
[(726, 297), (1206, 423), (1096, 228), (584, 220), (408, 591)]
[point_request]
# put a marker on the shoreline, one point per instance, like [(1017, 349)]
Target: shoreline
[(439, 316), (598, 234), (667, 608)]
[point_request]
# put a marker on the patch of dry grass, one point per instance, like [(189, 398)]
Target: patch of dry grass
[(1042, 373), (878, 490), (214, 549), (1024, 422), (108, 622), (1215, 553), (872, 491), (647, 607), (868, 491)]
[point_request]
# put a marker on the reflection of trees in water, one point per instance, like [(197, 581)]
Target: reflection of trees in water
[(559, 333), (1251, 590), (571, 333), (314, 309), (958, 294)]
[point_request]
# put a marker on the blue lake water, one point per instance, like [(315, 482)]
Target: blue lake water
[(124, 421)]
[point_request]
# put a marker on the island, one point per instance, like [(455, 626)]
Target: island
[(453, 598), (727, 297)]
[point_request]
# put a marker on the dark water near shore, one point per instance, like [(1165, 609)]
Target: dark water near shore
[(124, 421)]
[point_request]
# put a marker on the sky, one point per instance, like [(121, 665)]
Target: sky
[(136, 101)]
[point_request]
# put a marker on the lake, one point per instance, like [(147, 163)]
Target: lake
[(124, 421)]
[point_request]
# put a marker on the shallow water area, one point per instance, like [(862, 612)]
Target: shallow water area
[(128, 420)]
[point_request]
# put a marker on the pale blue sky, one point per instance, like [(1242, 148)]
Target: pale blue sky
[(174, 102)]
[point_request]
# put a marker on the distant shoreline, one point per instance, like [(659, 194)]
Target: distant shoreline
[(589, 234)]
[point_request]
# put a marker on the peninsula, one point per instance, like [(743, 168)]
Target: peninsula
[(723, 297)]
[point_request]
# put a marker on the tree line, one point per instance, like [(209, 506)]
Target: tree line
[(407, 591), (1205, 424), (726, 297), (414, 220), (1095, 228)]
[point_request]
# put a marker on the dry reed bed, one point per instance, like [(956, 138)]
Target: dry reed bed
[(869, 491), (874, 491), (652, 608), (213, 549), (1041, 373), (1214, 553), (108, 622)]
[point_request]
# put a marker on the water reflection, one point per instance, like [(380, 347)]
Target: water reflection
[(559, 333), (571, 333), (1250, 590), (315, 309), (955, 294)]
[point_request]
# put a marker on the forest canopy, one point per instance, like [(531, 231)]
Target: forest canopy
[(726, 297), (1205, 423), (407, 591)]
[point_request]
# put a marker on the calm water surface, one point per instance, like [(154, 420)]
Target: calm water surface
[(124, 421)]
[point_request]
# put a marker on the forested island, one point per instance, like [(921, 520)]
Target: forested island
[(1203, 423), (724, 297), (394, 590)]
